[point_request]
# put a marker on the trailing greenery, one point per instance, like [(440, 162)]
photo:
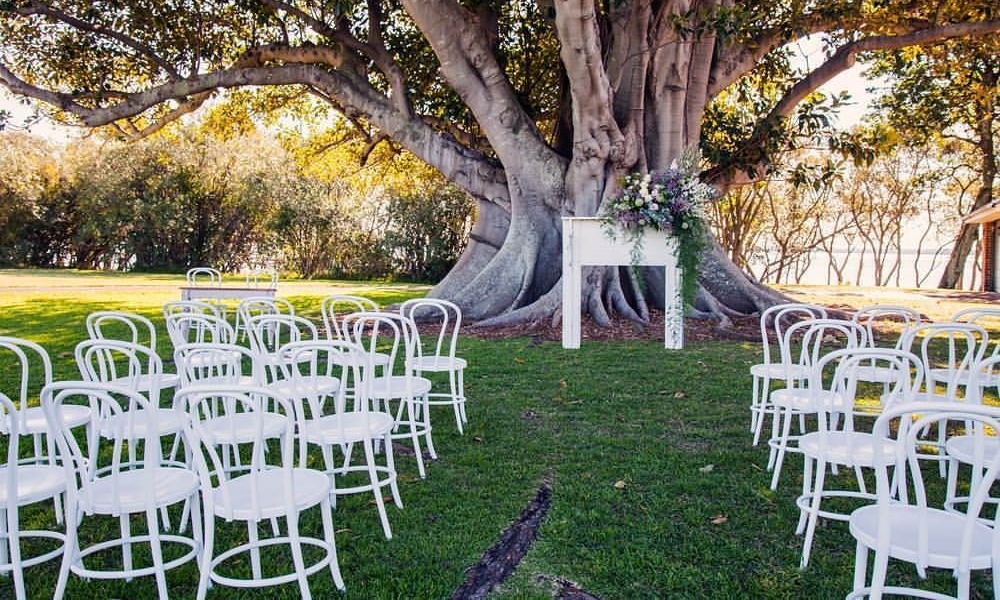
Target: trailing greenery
[(656, 490)]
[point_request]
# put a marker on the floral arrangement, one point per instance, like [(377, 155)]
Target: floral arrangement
[(674, 201)]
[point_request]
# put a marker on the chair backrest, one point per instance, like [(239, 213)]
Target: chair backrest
[(263, 305), (389, 333), (203, 276), (216, 363), (335, 306), (262, 278), (269, 332), (120, 363), (121, 325), (816, 337), (10, 429), (876, 317), (441, 321), (27, 366), (115, 452), (211, 445), (842, 373), (907, 481), (190, 306), (776, 319), (195, 327), (948, 350)]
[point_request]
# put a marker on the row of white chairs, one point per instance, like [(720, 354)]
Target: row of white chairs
[(323, 389), (939, 368)]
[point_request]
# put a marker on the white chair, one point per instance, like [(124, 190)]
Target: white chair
[(214, 363), (174, 307), (267, 333), (831, 444), (203, 276), (196, 328), (331, 419), (128, 327), (799, 396), (973, 447), (436, 350), (397, 386), (120, 474), (270, 487), (256, 306), (777, 364), (949, 350), (335, 306), (262, 278), (878, 318), (907, 527), (28, 367), (24, 485), (132, 367)]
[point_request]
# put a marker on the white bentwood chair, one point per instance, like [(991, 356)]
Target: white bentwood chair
[(336, 417), (24, 485), (816, 337), (120, 474), (269, 486), (436, 349), (909, 527), (778, 363), (397, 385)]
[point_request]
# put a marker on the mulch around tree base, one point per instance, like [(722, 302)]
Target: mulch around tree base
[(745, 329)]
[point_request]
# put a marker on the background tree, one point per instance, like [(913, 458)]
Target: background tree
[(534, 109), (949, 90)]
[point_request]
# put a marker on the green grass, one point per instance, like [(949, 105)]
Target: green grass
[(656, 490)]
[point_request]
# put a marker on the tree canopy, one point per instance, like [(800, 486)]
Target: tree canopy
[(534, 108)]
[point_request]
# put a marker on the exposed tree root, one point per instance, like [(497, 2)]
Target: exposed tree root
[(500, 559)]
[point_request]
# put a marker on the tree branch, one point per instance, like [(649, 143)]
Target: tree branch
[(43, 9)]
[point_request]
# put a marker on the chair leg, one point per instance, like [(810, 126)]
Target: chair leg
[(126, 534), (328, 532), (207, 551), (782, 443), (152, 523), (376, 488), (817, 495), (254, 539), (297, 560), (860, 566)]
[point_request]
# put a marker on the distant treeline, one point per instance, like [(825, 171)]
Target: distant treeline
[(167, 204)]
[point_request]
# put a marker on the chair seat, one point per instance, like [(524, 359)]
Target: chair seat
[(397, 386), (803, 400), (234, 498), (73, 415), (168, 421), (144, 382), (34, 483), (875, 374), (307, 387), (963, 448), (130, 493), (243, 427), (850, 448), (779, 371), (945, 531), (438, 363), (348, 427)]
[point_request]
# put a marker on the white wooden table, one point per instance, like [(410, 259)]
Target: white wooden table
[(197, 292), (586, 244)]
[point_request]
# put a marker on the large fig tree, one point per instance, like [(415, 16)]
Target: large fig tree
[(535, 108)]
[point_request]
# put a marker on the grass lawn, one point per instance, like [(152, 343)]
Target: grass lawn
[(656, 490)]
